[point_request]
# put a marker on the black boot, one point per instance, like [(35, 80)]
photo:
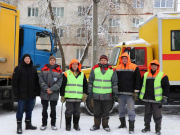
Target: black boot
[(105, 125), (96, 125), (29, 126), (76, 123), (147, 127), (158, 128), (123, 123), (131, 127), (68, 123), (19, 126)]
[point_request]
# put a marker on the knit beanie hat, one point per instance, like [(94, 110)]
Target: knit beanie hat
[(103, 57), (52, 57)]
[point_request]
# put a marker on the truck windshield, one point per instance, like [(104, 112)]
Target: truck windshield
[(43, 42), (115, 56)]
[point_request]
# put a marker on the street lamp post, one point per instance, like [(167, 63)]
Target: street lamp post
[(95, 33)]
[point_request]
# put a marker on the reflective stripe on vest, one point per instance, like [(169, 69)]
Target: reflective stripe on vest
[(102, 83), (157, 86), (74, 86)]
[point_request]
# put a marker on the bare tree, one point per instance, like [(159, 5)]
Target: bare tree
[(107, 9)]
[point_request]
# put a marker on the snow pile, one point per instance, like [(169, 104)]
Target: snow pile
[(139, 41)]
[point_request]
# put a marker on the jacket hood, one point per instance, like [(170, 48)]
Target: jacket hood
[(75, 61), (123, 55), (156, 62)]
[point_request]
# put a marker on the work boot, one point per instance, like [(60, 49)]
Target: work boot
[(53, 127), (147, 127), (43, 127), (131, 127), (158, 128), (68, 123), (19, 126), (29, 125), (105, 125), (96, 125), (123, 123), (76, 123)]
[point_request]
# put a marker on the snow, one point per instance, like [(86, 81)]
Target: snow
[(169, 15), (170, 124), (139, 41)]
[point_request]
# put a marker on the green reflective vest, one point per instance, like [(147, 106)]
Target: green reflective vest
[(157, 86), (74, 86), (102, 83)]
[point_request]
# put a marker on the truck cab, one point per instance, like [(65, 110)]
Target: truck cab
[(38, 42), (138, 51)]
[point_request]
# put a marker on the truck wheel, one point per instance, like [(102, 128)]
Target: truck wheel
[(8, 106), (90, 109)]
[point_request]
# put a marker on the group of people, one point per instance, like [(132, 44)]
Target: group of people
[(123, 84)]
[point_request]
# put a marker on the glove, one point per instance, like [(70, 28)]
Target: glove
[(115, 97), (136, 96), (84, 97), (90, 95), (63, 99), (164, 100)]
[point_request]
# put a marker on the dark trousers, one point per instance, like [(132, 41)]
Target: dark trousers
[(153, 109), (45, 104), (73, 108), (29, 108), (102, 108)]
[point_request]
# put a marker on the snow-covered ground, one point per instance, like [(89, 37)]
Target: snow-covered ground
[(170, 124)]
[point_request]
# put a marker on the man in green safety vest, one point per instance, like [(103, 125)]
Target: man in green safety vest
[(102, 83), (154, 93), (73, 91)]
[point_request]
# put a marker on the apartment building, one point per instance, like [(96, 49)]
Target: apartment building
[(118, 21)]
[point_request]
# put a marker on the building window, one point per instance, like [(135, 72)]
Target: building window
[(134, 38), (115, 3), (138, 3), (32, 12), (81, 32), (137, 21), (58, 11), (175, 40), (113, 39), (113, 22), (163, 3), (79, 53), (82, 10), (60, 32)]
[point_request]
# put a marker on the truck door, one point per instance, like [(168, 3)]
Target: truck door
[(141, 59), (43, 49)]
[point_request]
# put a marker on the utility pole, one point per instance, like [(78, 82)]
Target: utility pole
[(95, 33)]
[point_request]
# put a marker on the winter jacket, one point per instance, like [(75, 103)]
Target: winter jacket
[(25, 81), (114, 80), (129, 78), (149, 92), (65, 75), (50, 77)]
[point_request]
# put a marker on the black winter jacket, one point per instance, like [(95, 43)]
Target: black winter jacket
[(25, 82)]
